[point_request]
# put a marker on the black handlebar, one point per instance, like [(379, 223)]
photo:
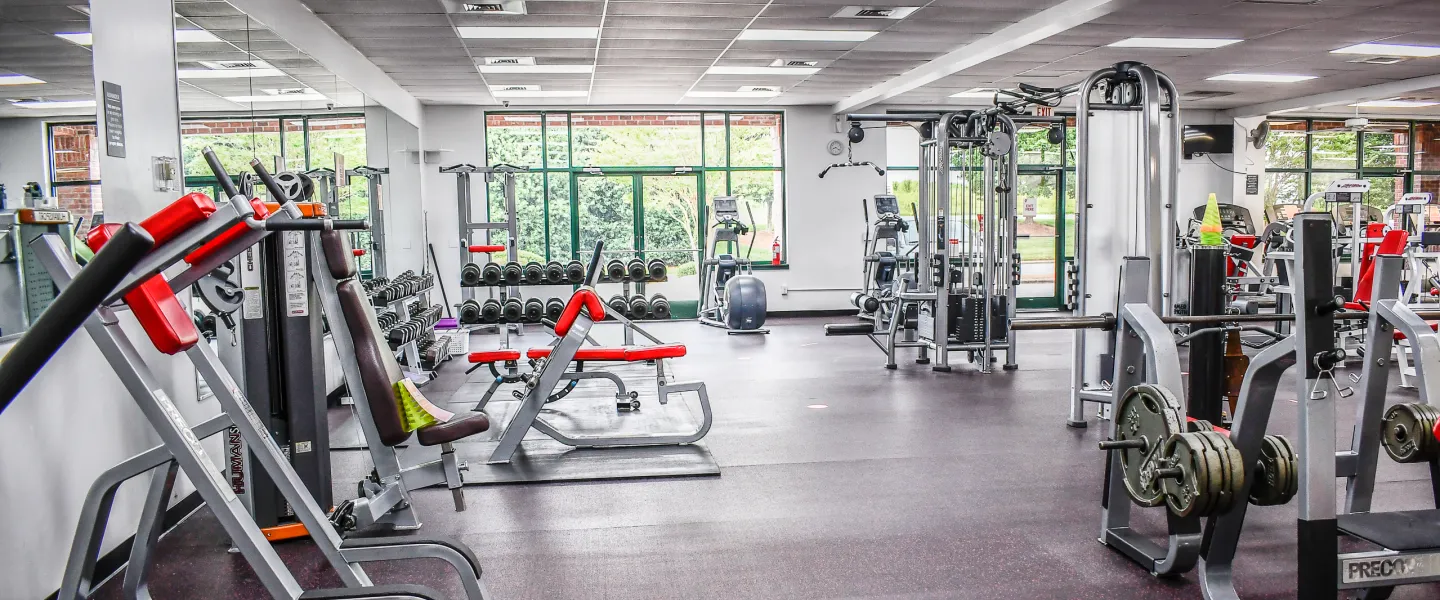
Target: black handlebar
[(316, 224), (71, 308), (226, 184), (594, 263), (276, 192)]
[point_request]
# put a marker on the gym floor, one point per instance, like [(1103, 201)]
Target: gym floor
[(908, 484)]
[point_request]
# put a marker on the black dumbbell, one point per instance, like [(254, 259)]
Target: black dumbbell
[(490, 311), (575, 271), (491, 274), (513, 273), (470, 275), (615, 269), (656, 267), (554, 272), (639, 307), (635, 269), (553, 308), (659, 307), (534, 273), (618, 304), (469, 312), (512, 310), (534, 310)]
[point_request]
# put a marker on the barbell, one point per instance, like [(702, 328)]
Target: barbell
[(1107, 321)]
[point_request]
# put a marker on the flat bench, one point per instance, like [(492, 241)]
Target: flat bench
[(617, 353)]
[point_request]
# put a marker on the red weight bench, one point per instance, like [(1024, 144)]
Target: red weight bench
[(563, 363)]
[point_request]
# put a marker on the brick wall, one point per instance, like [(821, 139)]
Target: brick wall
[(76, 158)]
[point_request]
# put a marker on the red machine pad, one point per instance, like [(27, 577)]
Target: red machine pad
[(155, 306), (583, 297), (588, 353), (1436, 432), (639, 353), (358, 252), (232, 234), (182, 214), (491, 356), (485, 248), (1393, 244)]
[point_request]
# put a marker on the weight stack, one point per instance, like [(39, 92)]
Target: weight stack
[(1207, 350)]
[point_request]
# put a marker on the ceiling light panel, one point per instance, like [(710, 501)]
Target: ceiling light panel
[(751, 94), (529, 33), (1185, 43), (744, 70), (1391, 50), (182, 36), (539, 93), (503, 69), (1395, 103), (874, 12), (18, 80), (228, 73), (1261, 77), (803, 35), (55, 104)]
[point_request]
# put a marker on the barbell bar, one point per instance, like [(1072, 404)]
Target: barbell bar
[(1107, 321)]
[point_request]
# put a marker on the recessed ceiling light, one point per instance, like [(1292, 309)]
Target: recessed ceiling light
[(751, 94), (513, 61), (741, 70), (529, 33), (1395, 103), (1261, 77), (285, 95), (497, 69), (1164, 42), (975, 93), (228, 73), (18, 80), (804, 35), (874, 12), (516, 88), (55, 104), (817, 406), (539, 93), (182, 36), (1390, 50)]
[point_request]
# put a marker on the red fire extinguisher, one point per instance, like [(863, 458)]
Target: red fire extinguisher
[(775, 252)]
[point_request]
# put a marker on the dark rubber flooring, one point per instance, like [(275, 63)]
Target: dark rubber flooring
[(909, 484)]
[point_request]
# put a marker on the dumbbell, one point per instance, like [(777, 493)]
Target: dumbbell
[(534, 273), (512, 310), (554, 272), (534, 310), (615, 269), (470, 275), (639, 307), (404, 332), (636, 269), (618, 304), (491, 274), (490, 311), (512, 273), (469, 312), (656, 267), (864, 302), (659, 307), (575, 271), (553, 308)]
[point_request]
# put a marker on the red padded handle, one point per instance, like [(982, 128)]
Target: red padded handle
[(586, 298), (357, 252), (182, 214), (485, 248), (230, 236)]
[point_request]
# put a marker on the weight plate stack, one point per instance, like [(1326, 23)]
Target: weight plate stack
[(1205, 473), (1277, 473), (1408, 432), (1148, 415)]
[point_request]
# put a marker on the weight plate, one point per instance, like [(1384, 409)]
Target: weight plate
[(1190, 491), (1151, 414), (1211, 486), (1234, 470), (1406, 434), (1198, 425)]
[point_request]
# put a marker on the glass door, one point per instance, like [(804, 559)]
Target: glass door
[(605, 210), (670, 230), (1039, 214)]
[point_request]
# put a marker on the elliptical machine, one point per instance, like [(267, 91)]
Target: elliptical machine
[(885, 248), (731, 297)]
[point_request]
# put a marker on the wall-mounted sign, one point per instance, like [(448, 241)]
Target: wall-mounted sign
[(1252, 185), (114, 120)]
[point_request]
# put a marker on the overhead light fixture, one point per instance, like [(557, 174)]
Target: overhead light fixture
[(54, 104), (1164, 42), (975, 93), (281, 95), (182, 36), (1261, 77), (504, 93), (501, 7), (736, 94), (784, 62), (1395, 103), (741, 70), (529, 33), (500, 69), (874, 12), (228, 73), (1391, 50), (18, 80), (804, 35), (508, 60)]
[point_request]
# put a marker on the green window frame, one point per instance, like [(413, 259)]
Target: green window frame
[(1309, 174)]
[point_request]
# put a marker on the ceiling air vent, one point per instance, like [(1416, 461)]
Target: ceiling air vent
[(1380, 60), (509, 60), (290, 92), (503, 7), (1206, 94), (760, 88), (781, 62), (514, 88), (874, 12), (224, 65)]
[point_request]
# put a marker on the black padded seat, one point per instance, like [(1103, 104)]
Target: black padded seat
[(454, 429)]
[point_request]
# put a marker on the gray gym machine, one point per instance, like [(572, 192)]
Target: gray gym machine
[(731, 297), (375, 184)]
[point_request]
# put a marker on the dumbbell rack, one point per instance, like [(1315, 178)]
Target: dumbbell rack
[(628, 292), (469, 226), (410, 351)]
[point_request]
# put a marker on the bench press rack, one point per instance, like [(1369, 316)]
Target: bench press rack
[(198, 232)]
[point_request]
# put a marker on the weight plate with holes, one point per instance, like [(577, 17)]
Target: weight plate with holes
[(1234, 472), (1407, 434), (1198, 425), (1149, 413), (1276, 474), (1191, 491)]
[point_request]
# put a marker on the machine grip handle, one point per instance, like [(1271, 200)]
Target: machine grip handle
[(226, 184), (590, 273), (316, 225), (126, 248), (276, 192)]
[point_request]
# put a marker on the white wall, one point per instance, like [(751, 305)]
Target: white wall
[(22, 156), (388, 142), (459, 132)]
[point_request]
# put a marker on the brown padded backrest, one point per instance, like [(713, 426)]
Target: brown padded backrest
[(338, 257), (378, 369)]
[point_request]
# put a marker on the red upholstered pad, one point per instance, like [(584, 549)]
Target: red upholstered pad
[(1436, 432), (639, 353), (484, 248), (591, 353), (1400, 336), (358, 252), (491, 356), (232, 234), (584, 297), (1244, 240), (1392, 244), (182, 214), (166, 322), (1355, 306)]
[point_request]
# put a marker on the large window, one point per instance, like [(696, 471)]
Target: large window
[(1305, 155), (75, 170), (640, 181)]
